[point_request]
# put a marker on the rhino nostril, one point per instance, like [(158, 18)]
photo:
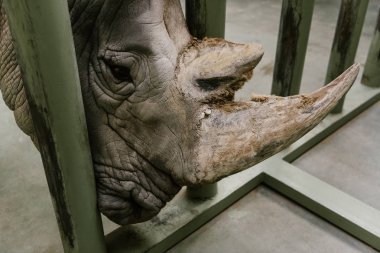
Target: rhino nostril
[(209, 84)]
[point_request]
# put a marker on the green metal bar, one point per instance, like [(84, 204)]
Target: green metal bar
[(181, 217), (296, 16), (205, 18), (371, 75), (346, 40), (45, 49), (346, 212)]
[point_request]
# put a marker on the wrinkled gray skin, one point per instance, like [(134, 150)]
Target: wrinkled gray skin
[(159, 103)]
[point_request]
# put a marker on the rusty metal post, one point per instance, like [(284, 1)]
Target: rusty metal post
[(346, 40), (205, 18), (371, 75), (45, 50), (296, 16)]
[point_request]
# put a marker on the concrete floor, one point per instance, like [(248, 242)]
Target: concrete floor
[(351, 160), (263, 221)]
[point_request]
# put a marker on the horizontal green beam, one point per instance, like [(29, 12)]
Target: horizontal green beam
[(181, 217), (45, 49), (339, 208)]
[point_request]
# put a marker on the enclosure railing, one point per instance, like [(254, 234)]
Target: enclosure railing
[(46, 54), (292, 43), (346, 40), (371, 76)]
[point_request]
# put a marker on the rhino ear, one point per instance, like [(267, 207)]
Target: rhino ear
[(11, 84)]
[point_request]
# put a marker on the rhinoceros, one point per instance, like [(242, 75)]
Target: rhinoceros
[(160, 105)]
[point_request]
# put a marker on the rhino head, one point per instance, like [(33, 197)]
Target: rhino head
[(160, 104)]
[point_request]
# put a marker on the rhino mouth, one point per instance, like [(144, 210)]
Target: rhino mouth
[(133, 193)]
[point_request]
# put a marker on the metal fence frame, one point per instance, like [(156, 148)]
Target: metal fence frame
[(64, 152)]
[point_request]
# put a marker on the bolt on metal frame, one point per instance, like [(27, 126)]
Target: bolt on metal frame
[(57, 106)]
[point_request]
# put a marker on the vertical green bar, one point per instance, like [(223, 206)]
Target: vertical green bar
[(205, 18), (371, 75), (45, 49), (293, 36), (346, 40)]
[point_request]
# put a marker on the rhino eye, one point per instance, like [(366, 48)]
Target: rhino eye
[(121, 73)]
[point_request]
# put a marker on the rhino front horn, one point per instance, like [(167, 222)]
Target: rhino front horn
[(238, 135)]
